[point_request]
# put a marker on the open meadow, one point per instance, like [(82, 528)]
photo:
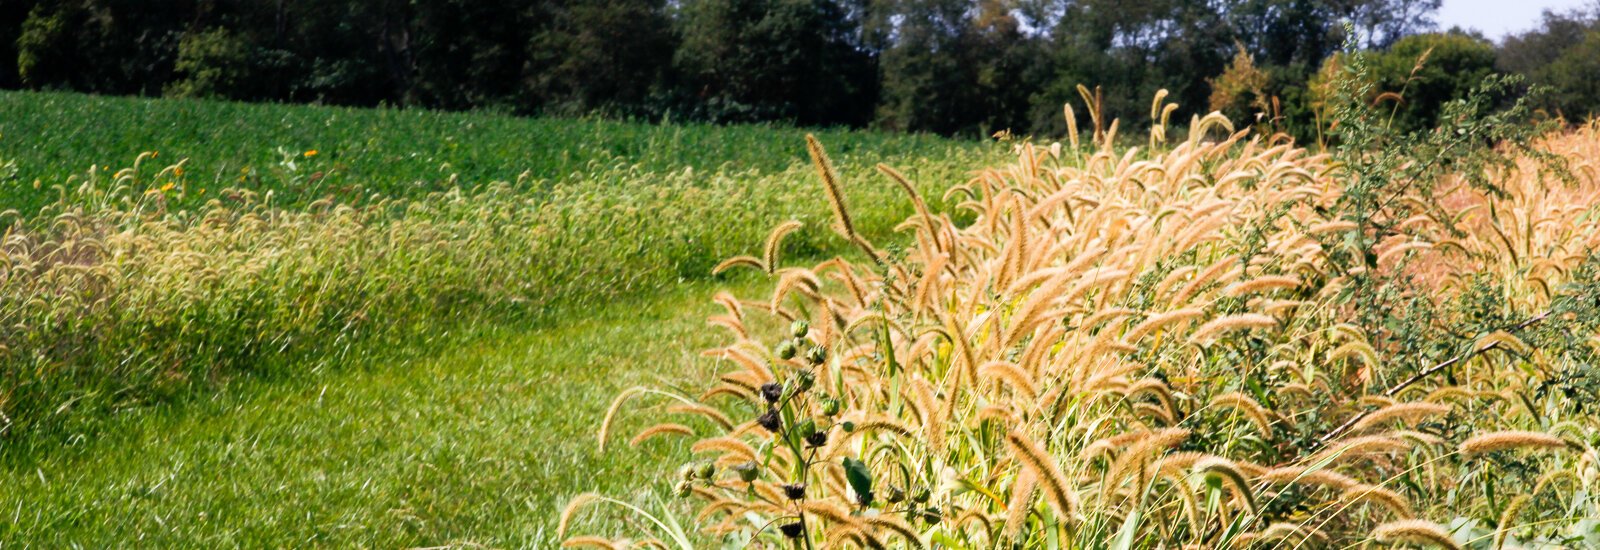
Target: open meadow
[(365, 327), (413, 329)]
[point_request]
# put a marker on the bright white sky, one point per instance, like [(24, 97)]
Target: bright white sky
[(1497, 18)]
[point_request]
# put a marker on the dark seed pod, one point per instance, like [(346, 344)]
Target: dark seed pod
[(921, 496), (894, 495), (817, 355), (687, 472), (771, 392), (787, 349), (792, 530), (685, 488), (799, 328), (932, 515), (770, 420), (817, 438), (748, 471), (795, 492), (707, 470)]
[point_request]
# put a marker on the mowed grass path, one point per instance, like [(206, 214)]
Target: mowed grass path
[(481, 442)]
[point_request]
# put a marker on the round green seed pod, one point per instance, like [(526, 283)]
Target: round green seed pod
[(830, 406), (817, 355), (804, 379), (747, 471)]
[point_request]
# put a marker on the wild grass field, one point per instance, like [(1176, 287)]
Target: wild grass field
[(1152, 337), (267, 325)]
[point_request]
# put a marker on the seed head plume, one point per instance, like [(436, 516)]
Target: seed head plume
[(1047, 472), (916, 201), (835, 191), (775, 243), (1415, 531), (660, 429), (571, 509), (592, 542), (1400, 412), (1229, 471), (1022, 492), (1501, 441), (1508, 519), (1379, 495)]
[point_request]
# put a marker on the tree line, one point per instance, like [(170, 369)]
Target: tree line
[(969, 67)]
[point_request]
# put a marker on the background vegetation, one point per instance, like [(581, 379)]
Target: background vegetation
[(944, 66), (126, 285)]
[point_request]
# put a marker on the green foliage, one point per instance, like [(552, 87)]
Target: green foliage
[(466, 433), (971, 67), (604, 57), (214, 63), (1572, 76), (1427, 71), (860, 479), (37, 44), (391, 153), (128, 286), (1560, 54), (751, 60), (1391, 173), (956, 67)]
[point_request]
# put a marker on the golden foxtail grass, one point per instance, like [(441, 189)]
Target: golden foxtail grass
[(1093, 345)]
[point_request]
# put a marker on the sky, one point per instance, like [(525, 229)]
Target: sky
[(1497, 18)]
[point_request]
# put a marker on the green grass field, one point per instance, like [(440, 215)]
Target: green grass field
[(395, 153), (479, 439), (428, 370)]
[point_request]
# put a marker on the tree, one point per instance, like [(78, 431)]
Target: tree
[(101, 46), (955, 68), (1427, 70), (1131, 50), (795, 60), (1564, 54), (595, 55), (1240, 91)]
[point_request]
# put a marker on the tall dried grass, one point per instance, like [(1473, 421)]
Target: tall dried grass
[(1152, 344)]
